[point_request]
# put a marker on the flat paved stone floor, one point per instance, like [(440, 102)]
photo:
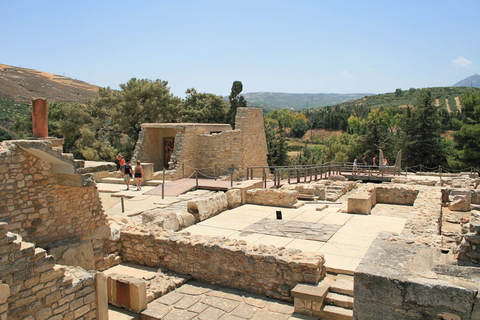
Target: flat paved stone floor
[(344, 238), (197, 300)]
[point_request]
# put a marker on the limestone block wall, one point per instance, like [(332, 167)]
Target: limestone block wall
[(41, 210), (254, 143), (197, 147), (230, 263), (40, 289), (44, 207), (223, 149)]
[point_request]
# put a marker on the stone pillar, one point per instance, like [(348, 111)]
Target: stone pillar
[(39, 118)]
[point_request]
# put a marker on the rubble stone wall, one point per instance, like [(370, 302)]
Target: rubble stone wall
[(402, 195), (231, 263), (41, 210), (40, 289)]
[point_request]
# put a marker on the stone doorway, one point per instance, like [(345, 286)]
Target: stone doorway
[(168, 144)]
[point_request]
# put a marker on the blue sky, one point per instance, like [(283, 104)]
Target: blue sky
[(281, 46)]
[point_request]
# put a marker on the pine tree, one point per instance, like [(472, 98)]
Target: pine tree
[(423, 131)]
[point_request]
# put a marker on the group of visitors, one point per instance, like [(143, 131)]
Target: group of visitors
[(127, 171), (364, 165)]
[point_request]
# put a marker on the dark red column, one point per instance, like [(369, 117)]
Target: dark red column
[(39, 118)]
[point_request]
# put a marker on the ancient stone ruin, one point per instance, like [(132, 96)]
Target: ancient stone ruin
[(328, 249), (213, 149)]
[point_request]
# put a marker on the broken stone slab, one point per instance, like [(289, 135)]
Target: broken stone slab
[(234, 198), (205, 208), (460, 199)]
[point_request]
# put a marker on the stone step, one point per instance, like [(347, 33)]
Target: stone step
[(153, 183), (112, 180), (339, 300), (343, 284), (335, 313)]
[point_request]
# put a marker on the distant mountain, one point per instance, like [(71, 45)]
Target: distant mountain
[(280, 100), (472, 81), (21, 85)]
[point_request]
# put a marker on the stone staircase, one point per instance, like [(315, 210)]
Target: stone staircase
[(331, 299)]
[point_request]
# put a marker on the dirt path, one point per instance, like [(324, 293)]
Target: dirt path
[(437, 102), (448, 106), (459, 105)]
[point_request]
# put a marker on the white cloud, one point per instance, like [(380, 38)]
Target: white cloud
[(461, 62), (345, 75)]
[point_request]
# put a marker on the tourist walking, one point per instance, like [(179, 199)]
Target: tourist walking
[(384, 165), (127, 173), (121, 161), (354, 170), (138, 174), (364, 164)]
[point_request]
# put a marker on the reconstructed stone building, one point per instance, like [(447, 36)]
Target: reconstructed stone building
[(210, 148)]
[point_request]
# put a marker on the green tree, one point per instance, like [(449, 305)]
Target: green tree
[(141, 101), (343, 148), (299, 126), (277, 154), (236, 101), (422, 134), (306, 156), (467, 139), (203, 108), (6, 135)]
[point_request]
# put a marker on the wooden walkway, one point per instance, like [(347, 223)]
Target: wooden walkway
[(178, 187)]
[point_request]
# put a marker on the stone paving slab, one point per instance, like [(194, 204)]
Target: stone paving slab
[(197, 300), (293, 229)]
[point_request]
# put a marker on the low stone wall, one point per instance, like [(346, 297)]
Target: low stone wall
[(470, 247), (396, 194), (272, 197), (40, 289), (225, 262)]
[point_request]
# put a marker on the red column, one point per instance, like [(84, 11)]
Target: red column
[(39, 118)]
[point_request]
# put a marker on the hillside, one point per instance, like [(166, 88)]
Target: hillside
[(279, 100), (472, 81), (21, 85), (447, 98)]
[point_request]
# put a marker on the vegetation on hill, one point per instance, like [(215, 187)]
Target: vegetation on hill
[(110, 123), (279, 100), (371, 123), (414, 120)]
